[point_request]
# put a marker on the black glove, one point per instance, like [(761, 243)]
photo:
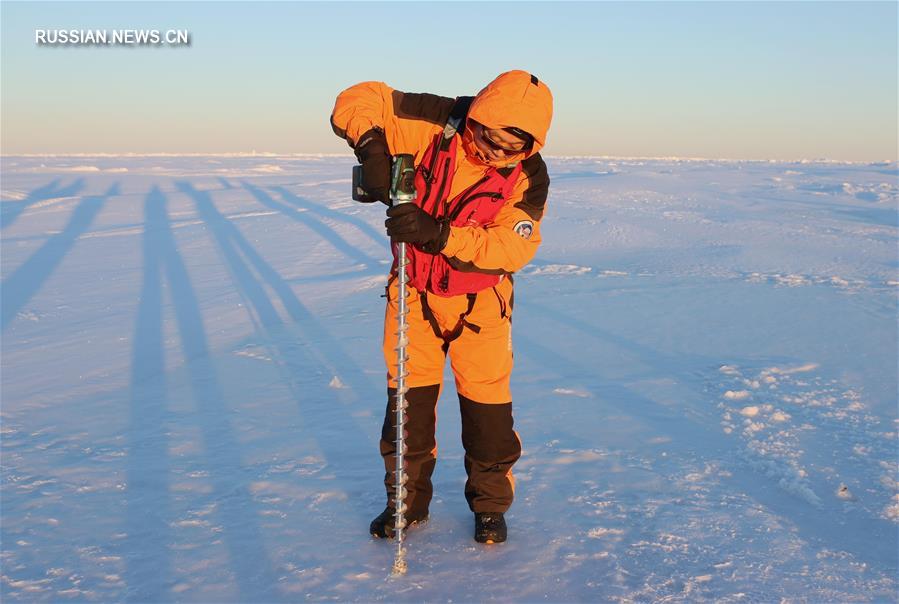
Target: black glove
[(372, 152), (410, 224)]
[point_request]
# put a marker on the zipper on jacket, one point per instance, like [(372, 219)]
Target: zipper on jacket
[(436, 209), (427, 182), (427, 178), (427, 173)]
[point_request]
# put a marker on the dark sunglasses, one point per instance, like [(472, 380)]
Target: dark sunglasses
[(496, 146)]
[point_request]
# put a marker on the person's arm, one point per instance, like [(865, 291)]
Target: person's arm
[(408, 120), (511, 240)]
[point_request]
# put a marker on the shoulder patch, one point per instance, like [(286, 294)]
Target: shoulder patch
[(524, 228)]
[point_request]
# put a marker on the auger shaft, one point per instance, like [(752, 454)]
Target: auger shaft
[(399, 565), (402, 190)]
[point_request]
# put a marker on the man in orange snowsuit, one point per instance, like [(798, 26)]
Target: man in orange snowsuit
[(481, 187)]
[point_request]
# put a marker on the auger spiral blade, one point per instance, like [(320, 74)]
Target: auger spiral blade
[(402, 190)]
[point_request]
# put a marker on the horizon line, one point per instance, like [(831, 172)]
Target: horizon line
[(267, 154)]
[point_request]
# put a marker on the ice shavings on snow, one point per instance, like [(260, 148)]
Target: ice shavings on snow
[(327, 497), (805, 368), (371, 282), (556, 269), (254, 352), (772, 442), (737, 395), (12, 195), (572, 392), (889, 480), (600, 532), (883, 192), (780, 416), (778, 462), (892, 511), (570, 457), (684, 556), (790, 280), (798, 280)]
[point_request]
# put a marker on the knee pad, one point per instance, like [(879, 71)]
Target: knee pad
[(421, 418), (487, 431)]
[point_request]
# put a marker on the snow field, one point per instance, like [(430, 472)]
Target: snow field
[(192, 388)]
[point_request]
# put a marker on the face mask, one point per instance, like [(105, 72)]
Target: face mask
[(477, 156)]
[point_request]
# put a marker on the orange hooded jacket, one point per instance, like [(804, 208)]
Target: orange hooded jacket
[(410, 121)]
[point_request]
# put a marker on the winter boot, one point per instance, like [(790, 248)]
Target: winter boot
[(382, 527), (489, 527)]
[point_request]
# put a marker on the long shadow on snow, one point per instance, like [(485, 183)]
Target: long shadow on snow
[(320, 350), (147, 467), (814, 523), (11, 210), (19, 287), (378, 237), (316, 224)]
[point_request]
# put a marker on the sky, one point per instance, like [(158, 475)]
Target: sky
[(746, 80)]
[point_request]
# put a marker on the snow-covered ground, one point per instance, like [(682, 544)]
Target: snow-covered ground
[(192, 388)]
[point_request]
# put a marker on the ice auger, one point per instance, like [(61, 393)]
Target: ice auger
[(402, 190)]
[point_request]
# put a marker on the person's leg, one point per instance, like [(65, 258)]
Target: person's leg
[(425, 374), (482, 363), (421, 448), (491, 449)]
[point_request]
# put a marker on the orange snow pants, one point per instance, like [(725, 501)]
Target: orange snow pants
[(475, 331)]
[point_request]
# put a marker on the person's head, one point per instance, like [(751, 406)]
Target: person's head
[(509, 119), (499, 145)]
